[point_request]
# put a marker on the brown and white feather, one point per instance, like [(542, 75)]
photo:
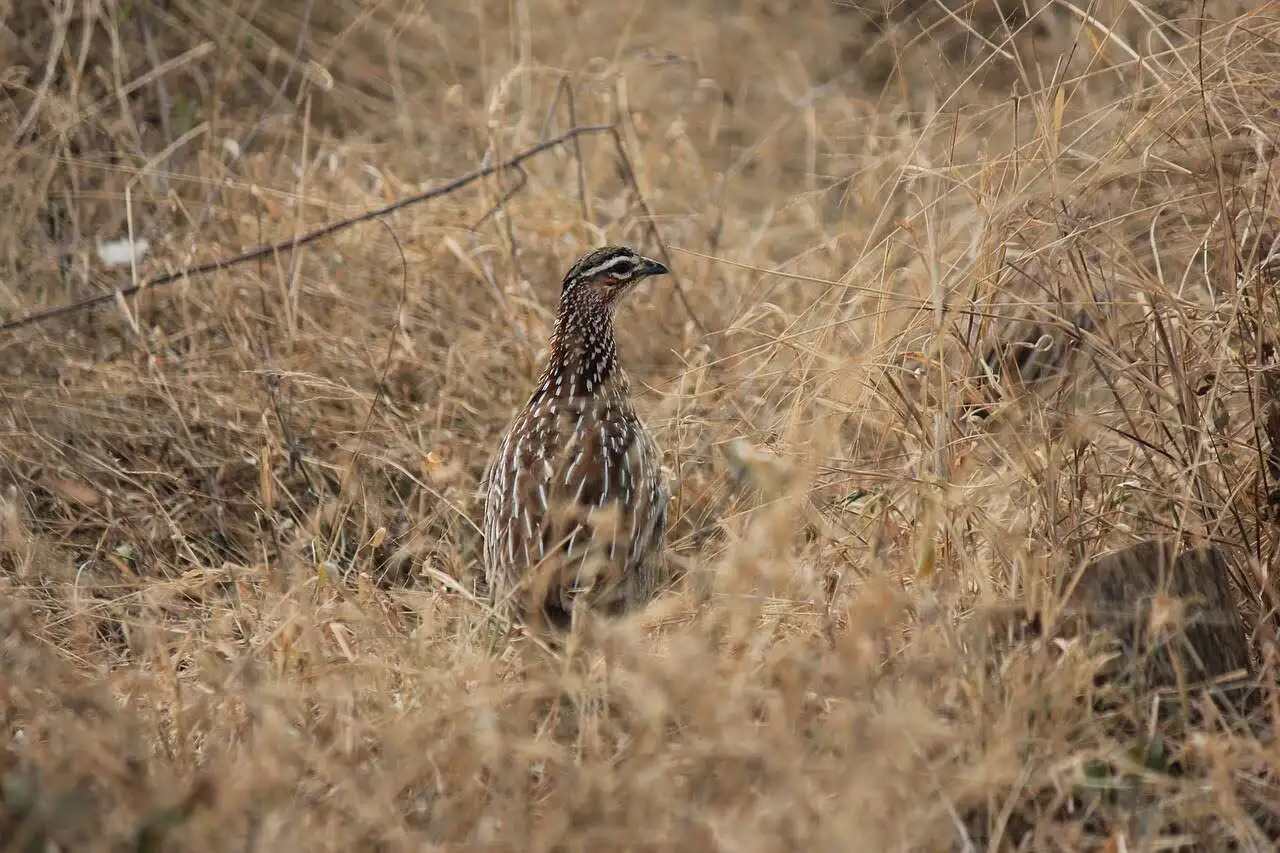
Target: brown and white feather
[(576, 498)]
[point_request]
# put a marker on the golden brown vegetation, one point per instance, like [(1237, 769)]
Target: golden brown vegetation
[(238, 540)]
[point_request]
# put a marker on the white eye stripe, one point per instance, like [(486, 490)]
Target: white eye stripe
[(620, 266)]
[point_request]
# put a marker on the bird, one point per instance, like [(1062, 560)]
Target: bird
[(576, 498)]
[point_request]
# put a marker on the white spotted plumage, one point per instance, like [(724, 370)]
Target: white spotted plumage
[(576, 447)]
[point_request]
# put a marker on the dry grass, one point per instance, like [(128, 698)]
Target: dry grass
[(237, 518)]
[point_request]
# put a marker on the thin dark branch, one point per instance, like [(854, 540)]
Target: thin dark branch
[(564, 90), (522, 178), (629, 175), (312, 236), (577, 152)]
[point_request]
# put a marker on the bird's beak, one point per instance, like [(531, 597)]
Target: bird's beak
[(652, 267)]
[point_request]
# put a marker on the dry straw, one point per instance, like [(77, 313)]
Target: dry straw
[(238, 514)]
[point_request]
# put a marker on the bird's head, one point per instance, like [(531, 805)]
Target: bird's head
[(604, 275)]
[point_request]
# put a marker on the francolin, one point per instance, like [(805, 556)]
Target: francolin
[(576, 503)]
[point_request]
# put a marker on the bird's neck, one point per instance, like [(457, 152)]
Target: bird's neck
[(583, 355)]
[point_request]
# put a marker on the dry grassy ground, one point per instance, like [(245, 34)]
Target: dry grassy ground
[(238, 543)]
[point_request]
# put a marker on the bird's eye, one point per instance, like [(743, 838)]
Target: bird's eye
[(620, 268), (623, 268)]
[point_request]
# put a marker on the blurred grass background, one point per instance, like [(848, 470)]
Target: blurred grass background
[(238, 542)]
